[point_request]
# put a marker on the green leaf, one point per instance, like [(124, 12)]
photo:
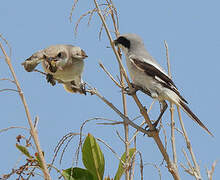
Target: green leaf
[(77, 174), (120, 167), (93, 158), (24, 150)]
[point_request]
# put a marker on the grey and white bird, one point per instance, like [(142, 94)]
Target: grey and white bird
[(150, 77), (61, 63)]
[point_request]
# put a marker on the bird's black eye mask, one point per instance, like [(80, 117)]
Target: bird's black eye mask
[(123, 41)]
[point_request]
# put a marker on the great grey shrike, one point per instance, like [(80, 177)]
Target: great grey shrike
[(149, 76), (61, 63)]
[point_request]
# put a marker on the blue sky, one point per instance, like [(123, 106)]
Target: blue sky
[(191, 29)]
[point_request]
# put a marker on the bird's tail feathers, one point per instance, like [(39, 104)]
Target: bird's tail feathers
[(193, 116)]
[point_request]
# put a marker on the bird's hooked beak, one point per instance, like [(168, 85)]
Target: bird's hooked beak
[(116, 42), (83, 54)]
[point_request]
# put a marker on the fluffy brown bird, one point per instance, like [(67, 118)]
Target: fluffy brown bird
[(62, 63)]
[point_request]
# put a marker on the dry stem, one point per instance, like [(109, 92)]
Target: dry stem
[(210, 172), (156, 137), (33, 130), (171, 113), (189, 147)]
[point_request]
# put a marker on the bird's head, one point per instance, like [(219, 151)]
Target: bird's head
[(78, 53), (59, 56), (128, 42)]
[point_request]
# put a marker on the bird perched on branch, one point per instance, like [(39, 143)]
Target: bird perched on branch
[(149, 76), (61, 63)]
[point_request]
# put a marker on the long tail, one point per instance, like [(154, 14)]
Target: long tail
[(193, 116)]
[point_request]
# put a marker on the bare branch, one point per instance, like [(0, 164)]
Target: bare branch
[(136, 132), (13, 127), (173, 141), (158, 169), (81, 17), (14, 90), (211, 172), (191, 169), (187, 170), (112, 150), (189, 147), (120, 136), (141, 165), (108, 73), (6, 79), (8, 45), (73, 7), (158, 141), (33, 130), (95, 92)]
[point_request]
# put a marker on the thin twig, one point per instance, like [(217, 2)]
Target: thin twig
[(141, 165), (189, 147), (6, 42), (124, 101), (143, 111), (171, 112), (81, 17), (14, 90), (109, 74), (59, 145), (133, 161), (6, 79), (187, 170), (13, 127), (126, 128), (111, 149), (81, 129), (191, 169), (64, 149), (131, 123), (73, 7), (119, 136), (136, 132), (165, 135), (210, 172), (114, 123), (33, 130), (158, 169), (177, 129)]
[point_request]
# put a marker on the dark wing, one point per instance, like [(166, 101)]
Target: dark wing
[(162, 78)]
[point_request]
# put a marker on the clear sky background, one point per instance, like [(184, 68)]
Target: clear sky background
[(191, 29)]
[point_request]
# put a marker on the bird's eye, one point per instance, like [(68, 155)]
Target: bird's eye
[(61, 55), (123, 41)]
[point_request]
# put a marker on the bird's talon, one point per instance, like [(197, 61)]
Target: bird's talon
[(154, 127), (130, 91), (152, 133), (83, 88), (50, 79)]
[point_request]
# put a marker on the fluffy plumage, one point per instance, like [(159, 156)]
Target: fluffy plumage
[(62, 63)]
